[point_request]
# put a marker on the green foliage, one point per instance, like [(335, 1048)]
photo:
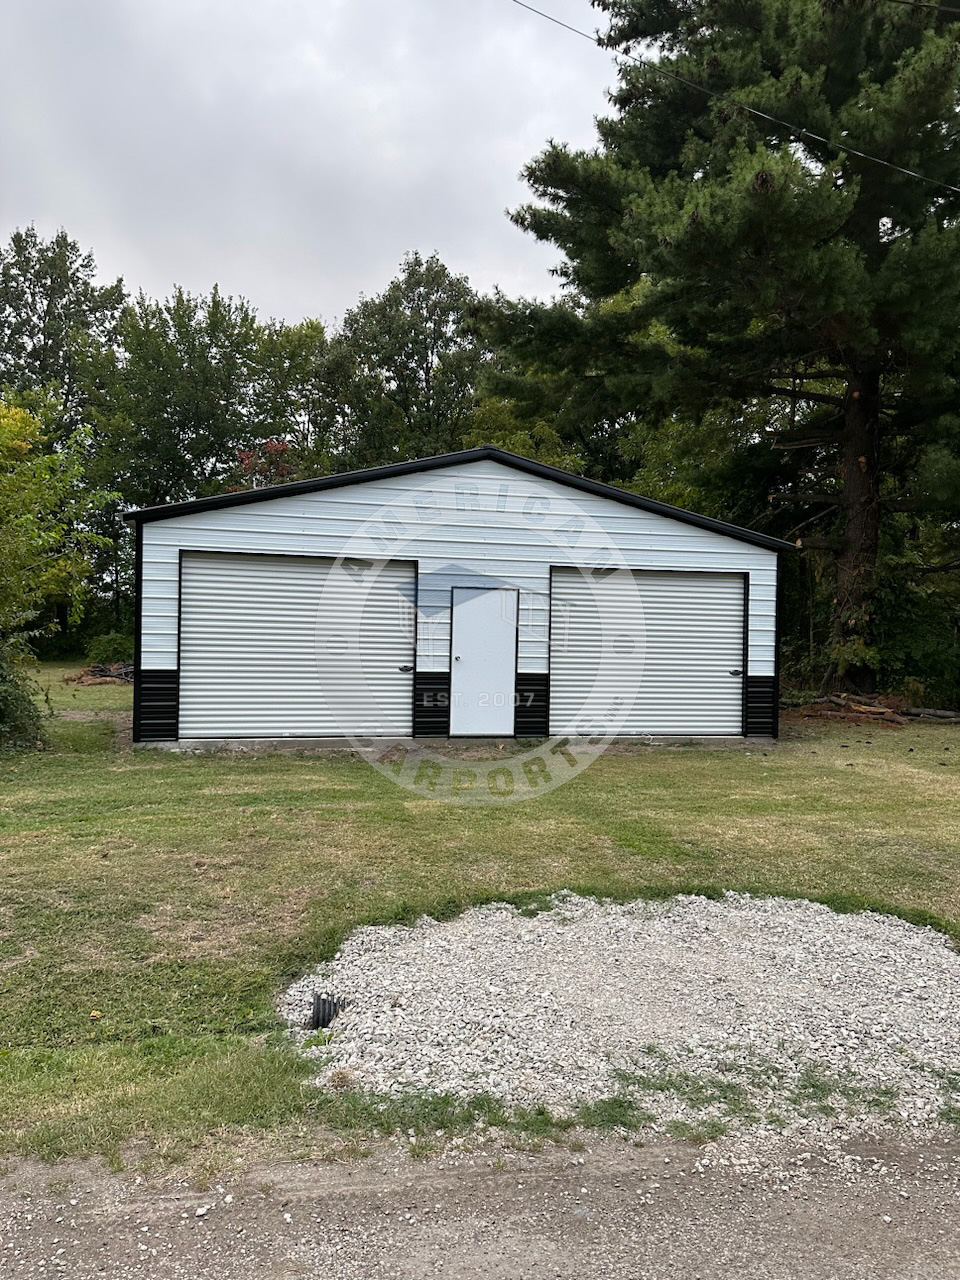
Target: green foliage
[(405, 366), (297, 429), (174, 399), (21, 719), (495, 421), (44, 504), (197, 396), (113, 646), (50, 308), (548, 370), (756, 319), (614, 1113), (292, 387), (918, 650)]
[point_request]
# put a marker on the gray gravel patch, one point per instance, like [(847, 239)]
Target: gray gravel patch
[(743, 1010)]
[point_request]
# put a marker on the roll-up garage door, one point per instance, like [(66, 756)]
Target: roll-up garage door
[(294, 646), (647, 652)]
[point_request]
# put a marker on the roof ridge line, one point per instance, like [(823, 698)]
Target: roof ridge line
[(440, 461)]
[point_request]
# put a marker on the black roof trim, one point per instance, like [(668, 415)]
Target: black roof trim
[(488, 452)]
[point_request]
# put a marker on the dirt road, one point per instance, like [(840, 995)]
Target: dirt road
[(610, 1212)]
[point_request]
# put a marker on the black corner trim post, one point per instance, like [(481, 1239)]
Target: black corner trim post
[(777, 613)]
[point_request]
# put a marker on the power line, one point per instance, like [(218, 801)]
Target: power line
[(796, 129), (924, 4)]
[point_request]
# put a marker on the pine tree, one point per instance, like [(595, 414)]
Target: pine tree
[(715, 256)]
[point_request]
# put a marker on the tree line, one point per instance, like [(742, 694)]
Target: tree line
[(194, 395), (752, 322)]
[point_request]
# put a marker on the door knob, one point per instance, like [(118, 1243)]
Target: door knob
[(736, 673), (456, 657), (404, 668)]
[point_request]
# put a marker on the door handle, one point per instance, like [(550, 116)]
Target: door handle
[(404, 668), (736, 673), (456, 657)]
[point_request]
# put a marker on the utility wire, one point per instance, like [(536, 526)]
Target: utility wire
[(795, 129), (925, 4)]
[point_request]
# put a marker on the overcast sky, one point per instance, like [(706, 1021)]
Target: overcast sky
[(291, 150)]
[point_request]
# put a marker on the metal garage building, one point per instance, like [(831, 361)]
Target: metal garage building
[(477, 593)]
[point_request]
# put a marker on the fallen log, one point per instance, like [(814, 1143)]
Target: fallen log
[(851, 700), (858, 707), (851, 715)]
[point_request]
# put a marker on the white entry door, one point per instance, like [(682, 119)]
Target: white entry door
[(483, 661)]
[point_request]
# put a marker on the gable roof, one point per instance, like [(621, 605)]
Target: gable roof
[(486, 452)]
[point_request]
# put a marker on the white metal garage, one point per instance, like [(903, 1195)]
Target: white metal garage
[(478, 593)]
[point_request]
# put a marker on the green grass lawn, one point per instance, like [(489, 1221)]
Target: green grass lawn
[(65, 696), (176, 894)]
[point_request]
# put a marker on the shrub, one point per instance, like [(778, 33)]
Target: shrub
[(115, 646), (21, 719)]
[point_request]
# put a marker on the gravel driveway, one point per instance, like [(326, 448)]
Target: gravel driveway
[(873, 1211), (739, 1011)]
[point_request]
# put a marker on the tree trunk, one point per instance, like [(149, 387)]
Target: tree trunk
[(856, 561)]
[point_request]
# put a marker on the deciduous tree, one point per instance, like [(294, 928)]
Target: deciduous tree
[(45, 547), (51, 308), (45, 509), (403, 370), (175, 399)]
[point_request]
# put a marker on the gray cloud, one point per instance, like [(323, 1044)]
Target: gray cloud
[(292, 150)]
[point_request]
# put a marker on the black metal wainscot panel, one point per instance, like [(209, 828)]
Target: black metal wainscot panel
[(532, 718), (158, 706), (761, 717), (431, 704)]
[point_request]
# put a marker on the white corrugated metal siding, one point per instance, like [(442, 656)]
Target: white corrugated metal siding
[(657, 653), (469, 525), (294, 646)]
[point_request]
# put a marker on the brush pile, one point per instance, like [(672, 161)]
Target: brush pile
[(103, 673), (860, 710)]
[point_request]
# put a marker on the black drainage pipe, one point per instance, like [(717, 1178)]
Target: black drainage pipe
[(323, 1011)]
